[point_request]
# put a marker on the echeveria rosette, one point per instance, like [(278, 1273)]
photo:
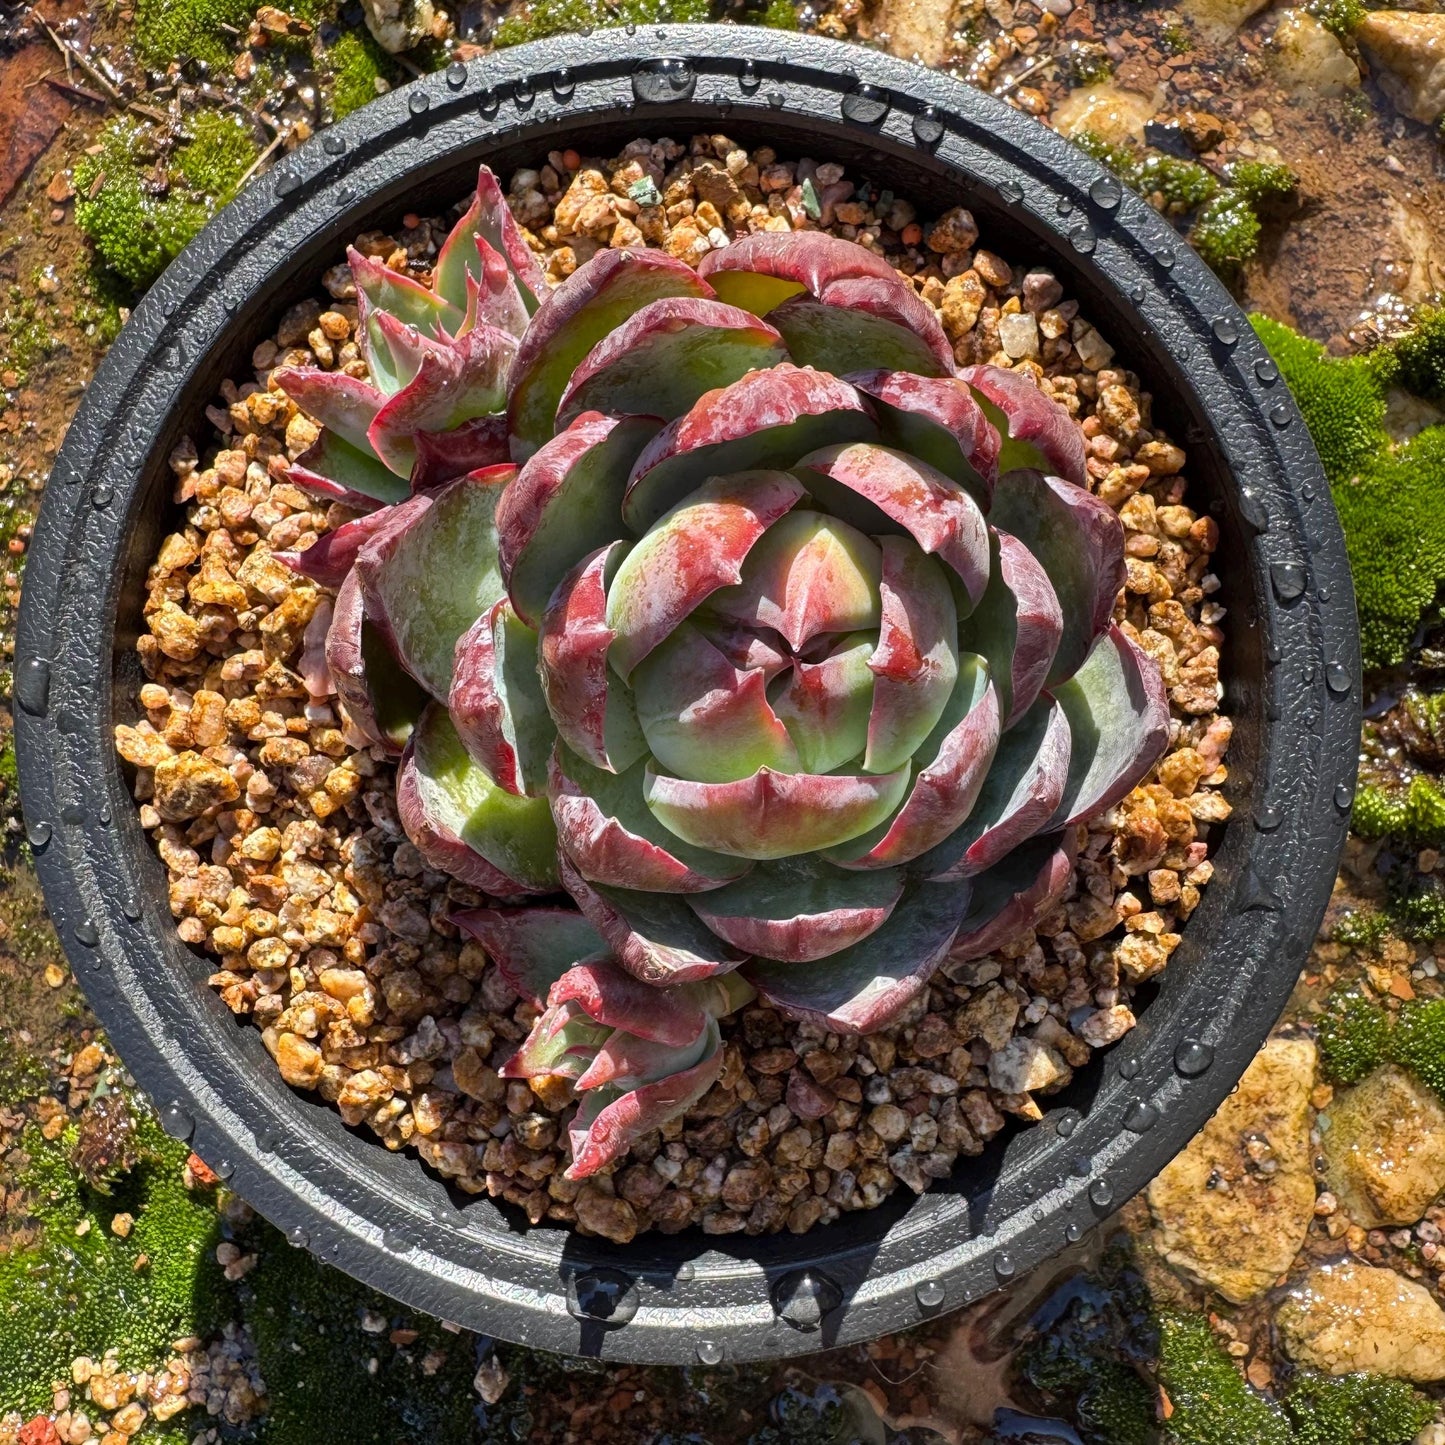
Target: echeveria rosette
[(778, 643)]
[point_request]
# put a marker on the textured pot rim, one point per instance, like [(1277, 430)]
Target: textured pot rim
[(693, 1298)]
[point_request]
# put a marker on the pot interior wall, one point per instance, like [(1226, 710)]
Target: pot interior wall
[(933, 186)]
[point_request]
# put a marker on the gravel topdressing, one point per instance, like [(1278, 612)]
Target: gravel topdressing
[(288, 865)]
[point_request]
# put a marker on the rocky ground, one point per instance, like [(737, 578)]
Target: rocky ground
[(1281, 1281)]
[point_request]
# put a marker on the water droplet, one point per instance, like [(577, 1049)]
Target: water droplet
[(132, 909), (1255, 893), (101, 496), (1344, 795), (1128, 1068), (630, 28), (927, 128), (1074, 1231), (456, 75), (1226, 333), (655, 82), (1166, 259), (1080, 1166), (267, 1138), (73, 813), (418, 102), (1106, 192), (1337, 677), (1083, 240), (1192, 1057), (176, 1120), (748, 77), (286, 182), (335, 145), (1267, 817), (709, 1352), (929, 1294), (606, 1296), (223, 1168), (1287, 579), (346, 192), (1272, 654), (724, 105), (38, 834), (803, 1297), (686, 1272), (1266, 370), (298, 1238), (396, 1241), (867, 105), (229, 302), (775, 99), (1067, 1122), (1004, 1266), (32, 685), (87, 933), (172, 357), (1281, 413), (1101, 1193), (1137, 293), (1256, 518), (488, 103), (563, 84), (1011, 192), (1064, 206), (1141, 1118)]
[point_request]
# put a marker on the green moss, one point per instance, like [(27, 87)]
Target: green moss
[(1227, 231), (136, 233), (541, 18), (1089, 64), (1421, 355), (1211, 1401), (167, 30), (1362, 928), (1340, 16), (1259, 180), (1354, 1036), (83, 1293), (1356, 1410), (779, 15), (1418, 1041), (1415, 815), (357, 62), (1175, 38)]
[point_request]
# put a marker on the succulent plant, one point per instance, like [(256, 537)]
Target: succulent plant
[(723, 602)]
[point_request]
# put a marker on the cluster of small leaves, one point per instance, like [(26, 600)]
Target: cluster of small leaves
[(1089, 63), (1182, 184), (1388, 495), (1339, 16), (1356, 1037), (357, 62), (1228, 229), (1415, 815)]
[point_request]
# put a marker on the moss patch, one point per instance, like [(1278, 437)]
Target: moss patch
[(357, 62), (541, 18)]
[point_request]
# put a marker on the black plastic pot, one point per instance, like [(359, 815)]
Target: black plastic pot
[(1292, 681)]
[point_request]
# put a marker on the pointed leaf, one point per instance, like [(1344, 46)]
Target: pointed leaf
[(626, 1062), (881, 490), (474, 446), (703, 718), (496, 700), (766, 419), (606, 992), (1017, 624), (606, 1127), (341, 403), (532, 947), (425, 585), (465, 381), (916, 662), (936, 420), (565, 504), (825, 705), (867, 986), (334, 469), (1036, 429), (492, 297), (611, 836), (330, 557), (1079, 542), (1118, 715), (489, 222), (464, 824), (798, 909), (948, 771), (589, 703), (563, 1042), (593, 301), (1021, 793), (696, 549), (382, 701), (772, 815), (392, 349), (656, 937), (809, 574), (409, 301), (1012, 896), (665, 356)]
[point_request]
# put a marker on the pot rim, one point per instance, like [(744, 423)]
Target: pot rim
[(690, 1298)]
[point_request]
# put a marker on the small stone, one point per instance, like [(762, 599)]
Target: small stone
[(187, 785), (1093, 350), (398, 25), (1349, 1316), (1025, 1064), (888, 1122), (1018, 334), (1307, 57), (491, 1379), (121, 1224), (605, 1214), (1107, 1025), (955, 231)]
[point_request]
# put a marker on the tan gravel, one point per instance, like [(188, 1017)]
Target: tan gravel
[(288, 866)]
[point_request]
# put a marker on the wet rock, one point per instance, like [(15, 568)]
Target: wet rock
[(1307, 57), (1106, 110), (1386, 1149), (1350, 1316), (1218, 19), (921, 29), (1219, 1216), (398, 25), (1409, 50)]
